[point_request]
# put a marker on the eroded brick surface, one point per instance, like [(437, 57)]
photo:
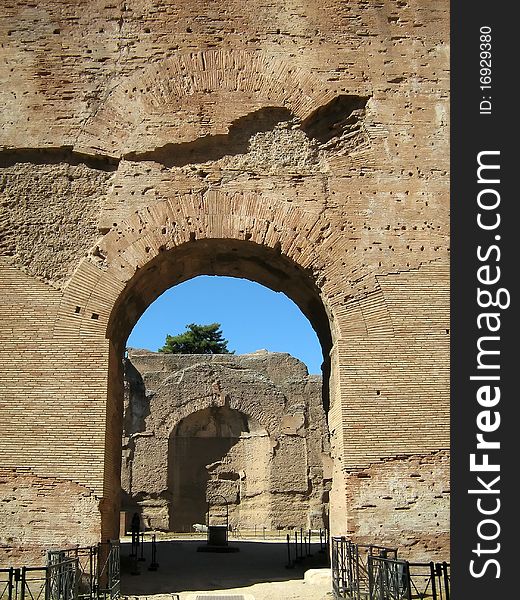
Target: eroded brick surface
[(391, 501), (41, 513), (304, 146)]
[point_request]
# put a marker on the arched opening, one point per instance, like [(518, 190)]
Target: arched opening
[(215, 452), (247, 428), (250, 316), (232, 258), (227, 257)]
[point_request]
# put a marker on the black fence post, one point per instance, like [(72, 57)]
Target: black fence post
[(142, 558), (446, 580), (407, 579), (23, 576), (10, 584), (341, 562), (154, 564), (370, 576), (433, 575), (289, 564)]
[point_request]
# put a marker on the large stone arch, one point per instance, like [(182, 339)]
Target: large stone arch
[(286, 249), (207, 385), (122, 256), (279, 246), (376, 291)]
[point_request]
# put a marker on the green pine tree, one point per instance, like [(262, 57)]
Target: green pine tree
[(197, 339)]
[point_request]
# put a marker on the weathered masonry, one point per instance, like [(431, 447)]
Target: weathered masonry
[(302, 146), (247, 431)]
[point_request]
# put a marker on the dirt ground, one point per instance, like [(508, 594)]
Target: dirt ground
[(257, 571)]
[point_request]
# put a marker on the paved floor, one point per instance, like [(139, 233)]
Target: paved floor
[(257, 571)]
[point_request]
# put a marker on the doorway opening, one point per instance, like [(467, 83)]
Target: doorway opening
[(197, 427), (250, 429), (212, 454)]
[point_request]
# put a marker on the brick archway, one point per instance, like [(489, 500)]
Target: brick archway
[(236, 235), (183, 224), (367, 263), (286, 249), (177, 99)]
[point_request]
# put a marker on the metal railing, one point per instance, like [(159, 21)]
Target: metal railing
[(300, 545), (388, 579), (370, 572), (78, 573), (430, 580), (53, 582), (23, 583), (109, 577), (350, 567), (62, 580), (98, 569)]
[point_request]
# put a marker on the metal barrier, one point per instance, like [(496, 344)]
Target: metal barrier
[(340, 581), (87, 571), (98, 569), (388, 579), (350, 567), (5, 583), (62, 580), (90, 573), (430, 580), (109, 571), (53, 582), (22, 583), (301, 549), (154, 565), (370, 572)]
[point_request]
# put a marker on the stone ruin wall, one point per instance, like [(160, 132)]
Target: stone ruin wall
[(276, 473), (143, 143)]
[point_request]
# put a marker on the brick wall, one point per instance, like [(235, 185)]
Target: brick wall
[(302, 147)]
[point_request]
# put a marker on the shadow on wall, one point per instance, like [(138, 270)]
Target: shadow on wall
[(328, 127), (202, 466), (135, 413)]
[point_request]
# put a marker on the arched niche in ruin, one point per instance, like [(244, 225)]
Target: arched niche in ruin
[(216, 454), (247, 430)]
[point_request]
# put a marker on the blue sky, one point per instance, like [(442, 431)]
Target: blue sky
[(252, 317)]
